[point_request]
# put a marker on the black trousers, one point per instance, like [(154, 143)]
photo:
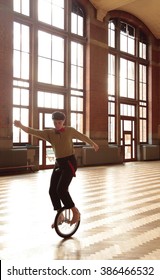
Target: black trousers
[(61, 178)]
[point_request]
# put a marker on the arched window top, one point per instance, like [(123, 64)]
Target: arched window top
[(76, 9), (122, 36), (77, 19)]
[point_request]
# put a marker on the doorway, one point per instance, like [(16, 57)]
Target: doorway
[(128, 139)]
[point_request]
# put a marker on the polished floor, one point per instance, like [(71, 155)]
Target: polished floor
[(120, 215)]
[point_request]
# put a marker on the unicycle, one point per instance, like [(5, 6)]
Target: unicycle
[(63, 226)]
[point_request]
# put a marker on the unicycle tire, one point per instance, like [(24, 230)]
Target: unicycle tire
[(63, 225)]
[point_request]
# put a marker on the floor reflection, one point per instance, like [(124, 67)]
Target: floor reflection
[(68, 249)]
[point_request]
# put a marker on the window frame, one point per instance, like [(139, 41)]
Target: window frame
[(36, 86), (143, 60)]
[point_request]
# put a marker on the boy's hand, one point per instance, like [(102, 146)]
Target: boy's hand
[(17, 123), (96, 147)]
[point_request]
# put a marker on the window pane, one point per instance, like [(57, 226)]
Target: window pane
[(77, 121), (76, 65), (142, 82), (57, 73), (123, 87), (51, 12), (58, 48), (131, 45), (73, 76), (50, 100), (128, 153), (111, 129), (127, 125), (58, 16), (16, 116), (127, 110), (80, 78), (127, 38), (76, 104), (16, 64), (25, 66), (142, 112), (127, 78), (111, 85), (21, 114), (44, 76), (20, 97), (44, 44), (111, 74), (123, 43), (143, 45), (57, 101), (21, 6), (48, 122), (77, 20), (74, 23), (24, 97), (131, 73), (77, 54), (142, 50), (111, 108), (143, 130), (51, 58), (131, 89), (25, 38), (21, 55), (44, 11), (73, 53), (111, 34), (16, 96), (50, 156), (47, 100), (123, 68), (16, 36), (25, 121)]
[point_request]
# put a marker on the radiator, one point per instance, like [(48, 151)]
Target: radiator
[(105, 155), (150, 152), (13, 157)]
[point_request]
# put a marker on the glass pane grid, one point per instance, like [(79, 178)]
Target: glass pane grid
[(50, 58), (50, 100), (21, 51), (127, 38)]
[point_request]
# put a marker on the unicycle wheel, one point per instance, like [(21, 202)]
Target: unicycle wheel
[(63, 226)]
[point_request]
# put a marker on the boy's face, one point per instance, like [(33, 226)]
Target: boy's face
[(58, 124)]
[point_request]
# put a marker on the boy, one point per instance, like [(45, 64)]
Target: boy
[(61, 138)]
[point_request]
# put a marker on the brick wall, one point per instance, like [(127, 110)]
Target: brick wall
[(5, 74)]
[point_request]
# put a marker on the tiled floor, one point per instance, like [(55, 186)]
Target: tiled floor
[(120, 210)]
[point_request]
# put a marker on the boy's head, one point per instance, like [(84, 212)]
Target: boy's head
[(58, 119), (58, 116)]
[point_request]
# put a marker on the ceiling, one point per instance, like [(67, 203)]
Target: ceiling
[(148, 11)]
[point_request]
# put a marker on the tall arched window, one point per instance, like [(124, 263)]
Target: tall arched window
[(127, 86), (48, 66)]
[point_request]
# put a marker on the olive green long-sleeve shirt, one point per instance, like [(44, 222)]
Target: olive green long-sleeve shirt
[(61, 142)]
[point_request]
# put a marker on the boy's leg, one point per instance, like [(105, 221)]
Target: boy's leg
[(62, 188), (63, 185), (56, 174)]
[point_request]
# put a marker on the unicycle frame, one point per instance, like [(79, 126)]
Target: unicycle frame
[(64, 228)]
